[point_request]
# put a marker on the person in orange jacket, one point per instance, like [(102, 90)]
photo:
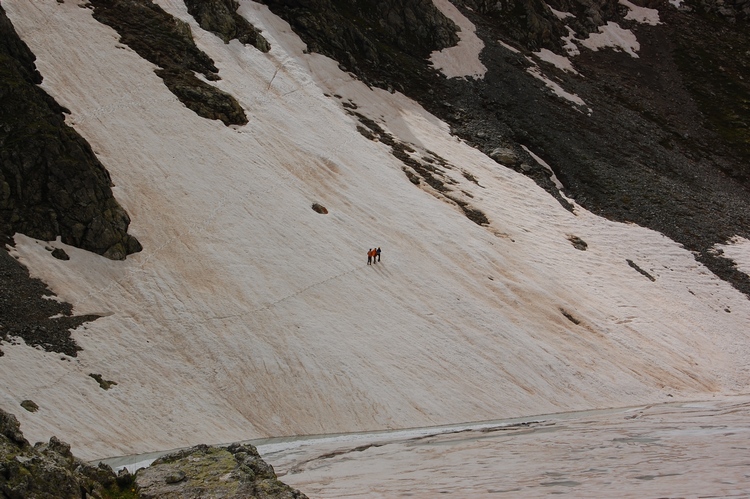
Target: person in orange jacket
[(369, 256)]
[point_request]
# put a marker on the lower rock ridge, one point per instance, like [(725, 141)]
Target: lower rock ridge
[(50, 470)]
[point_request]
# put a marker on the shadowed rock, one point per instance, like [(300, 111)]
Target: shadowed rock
[(51, 183), (168, 42), (221, 17)]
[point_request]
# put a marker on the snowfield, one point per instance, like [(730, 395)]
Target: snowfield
[(249, 315)]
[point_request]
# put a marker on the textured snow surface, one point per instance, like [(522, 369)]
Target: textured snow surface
[(558, 61), (249, 315), (737, 250), (641, 14), (675, 450), (612, 35)]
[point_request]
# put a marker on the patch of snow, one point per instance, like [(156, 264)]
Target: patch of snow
[(612, 35), (676, 3), (556, 60), (569, 43), (539, 160), (641, 14), (509, 47), (737, 250), (53, 298), (556, 88), (463, 59), (559, 14)]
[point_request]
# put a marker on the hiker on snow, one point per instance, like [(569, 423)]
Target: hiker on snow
[(377, 253), (369, 256)]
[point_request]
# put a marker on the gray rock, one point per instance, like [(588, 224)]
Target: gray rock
[(168, 43), (29, 405), (505, 156), (49, 470), (237, 471)]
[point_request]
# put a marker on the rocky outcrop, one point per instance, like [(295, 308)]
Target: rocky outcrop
[(46, 471), (529, 22), (203, 99), (221, 17), (369, 38), (731, 10), (168, 42), (51, 183), (236, 471)]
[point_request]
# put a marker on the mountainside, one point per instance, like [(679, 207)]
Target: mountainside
[(556, 188), (661, 138)]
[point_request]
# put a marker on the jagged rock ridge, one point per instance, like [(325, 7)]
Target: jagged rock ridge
[(50, 470), (51, 183)]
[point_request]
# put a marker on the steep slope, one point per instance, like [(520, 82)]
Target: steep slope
[(653, 132), (249, 314)]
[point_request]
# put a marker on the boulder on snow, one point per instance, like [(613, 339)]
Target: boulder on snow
[(506, 156), (319, 208)]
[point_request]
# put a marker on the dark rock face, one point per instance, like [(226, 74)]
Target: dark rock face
[(667, 145), (368, 38), (51, 183), (168, 42), (528, 21), (203, 99), (221, 17), (237, 471)]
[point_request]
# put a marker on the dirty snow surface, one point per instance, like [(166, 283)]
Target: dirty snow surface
[(249, 315)]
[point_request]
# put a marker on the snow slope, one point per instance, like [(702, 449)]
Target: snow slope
[(249, 315)]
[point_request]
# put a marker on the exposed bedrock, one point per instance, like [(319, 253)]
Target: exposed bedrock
[(166, 41), (50, 470), (51, 183), (221, 17)]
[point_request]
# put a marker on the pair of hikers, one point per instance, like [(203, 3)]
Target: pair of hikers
[(373, 256)]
